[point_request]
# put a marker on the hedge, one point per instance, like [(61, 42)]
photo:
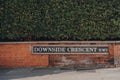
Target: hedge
[(29, 20)]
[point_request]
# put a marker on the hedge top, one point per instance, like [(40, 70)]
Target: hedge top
[(29, 20)]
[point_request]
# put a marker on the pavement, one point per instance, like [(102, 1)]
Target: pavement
[(58, 74)]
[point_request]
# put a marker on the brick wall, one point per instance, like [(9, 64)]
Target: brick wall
[(84, 60), (117, 54), (19, 54)]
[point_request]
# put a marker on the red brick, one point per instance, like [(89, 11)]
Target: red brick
[(19, 55)]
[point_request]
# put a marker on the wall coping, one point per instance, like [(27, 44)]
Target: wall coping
[(28, 42)]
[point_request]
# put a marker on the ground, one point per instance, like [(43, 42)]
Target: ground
[(58, 74)]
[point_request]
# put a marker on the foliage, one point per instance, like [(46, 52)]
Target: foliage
[(25, 20)]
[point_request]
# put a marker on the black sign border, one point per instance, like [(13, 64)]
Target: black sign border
[(70, 46)]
